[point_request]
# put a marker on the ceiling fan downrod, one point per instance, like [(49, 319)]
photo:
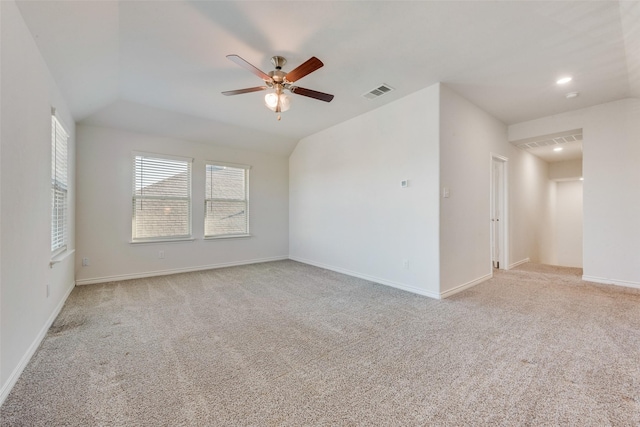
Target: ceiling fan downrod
[(278, 62)]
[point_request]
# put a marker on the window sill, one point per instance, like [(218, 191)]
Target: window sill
[(228, 236), (150, 241), (59, 257)]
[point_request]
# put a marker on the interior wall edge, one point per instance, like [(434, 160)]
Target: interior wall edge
[(465, 286), (373, 279), (517, 263)]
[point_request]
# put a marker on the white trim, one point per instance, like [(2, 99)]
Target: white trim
[(617, 282), (119, 277), (397, 285), (464, 286), (13, 378), (135, 154), (58, 252), (517, 263), (63, 123), (226, 236), (231, 165), (162, 240), (60, 257)]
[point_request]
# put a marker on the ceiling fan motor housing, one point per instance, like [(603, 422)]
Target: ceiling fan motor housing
[(279, 80), (277, 76)]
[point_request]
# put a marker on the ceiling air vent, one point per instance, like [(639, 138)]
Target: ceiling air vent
[(379, 91), (553, 139)]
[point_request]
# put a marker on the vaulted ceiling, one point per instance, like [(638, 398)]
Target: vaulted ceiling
[(160, 67)]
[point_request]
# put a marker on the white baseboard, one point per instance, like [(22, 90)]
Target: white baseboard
[(13, 378), (625, 283), (142, 275), (369, 278), (517, 263), (464, 286)]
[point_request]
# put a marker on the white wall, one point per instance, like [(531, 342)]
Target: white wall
[(348, 211), (468, 137), (28, 93), (569, 223), (567, 170), (611, 200), (566, 209), (105, 178), (547, 224)]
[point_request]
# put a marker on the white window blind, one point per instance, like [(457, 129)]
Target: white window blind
[(226, 200), (59, 190), (161, 198)]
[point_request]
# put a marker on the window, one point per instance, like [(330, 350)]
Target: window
[(226, 200), (161, 198), (59, 190)]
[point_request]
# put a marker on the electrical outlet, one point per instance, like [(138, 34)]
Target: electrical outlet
[(161, 254), (405, 264), (85, 262)]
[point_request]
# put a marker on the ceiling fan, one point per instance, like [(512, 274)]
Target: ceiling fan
[(277, 79)]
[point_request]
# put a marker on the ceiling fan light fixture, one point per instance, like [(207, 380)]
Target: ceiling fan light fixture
[(279, 81), (271, 101)]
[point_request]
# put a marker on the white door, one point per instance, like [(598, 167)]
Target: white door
[(497, 214)]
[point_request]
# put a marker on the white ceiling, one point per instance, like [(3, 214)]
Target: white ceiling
[(556, 147), (570, 151), (166, 62)]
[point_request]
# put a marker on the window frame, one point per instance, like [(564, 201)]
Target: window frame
[(59, 185), (246, 200), (189, 198)]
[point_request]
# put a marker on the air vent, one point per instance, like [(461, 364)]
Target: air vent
[(379, 91), (546, 140)]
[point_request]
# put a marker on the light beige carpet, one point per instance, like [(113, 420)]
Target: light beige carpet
[(285, 343)]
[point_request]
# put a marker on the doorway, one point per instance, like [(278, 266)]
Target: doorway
[(567, 212), (498, 212)]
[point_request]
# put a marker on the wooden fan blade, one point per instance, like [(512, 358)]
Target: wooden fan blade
[(302, 70), (244, 64), (241, 91), (311, 93)]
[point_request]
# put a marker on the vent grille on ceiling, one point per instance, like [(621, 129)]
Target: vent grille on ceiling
[(379, 91), (546, 140)]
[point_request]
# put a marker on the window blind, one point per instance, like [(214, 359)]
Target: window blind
[(226, 200), (161, 198), (59, 183)]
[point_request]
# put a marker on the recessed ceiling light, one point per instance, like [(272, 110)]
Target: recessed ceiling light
[(581, 179), (564, 80), (572, 95), (557, 149)]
